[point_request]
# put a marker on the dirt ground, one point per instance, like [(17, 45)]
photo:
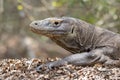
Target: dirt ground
[(24, 69)]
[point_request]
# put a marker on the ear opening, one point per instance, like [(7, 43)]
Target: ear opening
[(72, 30)]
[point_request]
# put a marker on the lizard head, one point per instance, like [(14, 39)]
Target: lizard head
[(53, 26)]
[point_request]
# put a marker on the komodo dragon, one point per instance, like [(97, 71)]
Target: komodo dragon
[(89, 44)]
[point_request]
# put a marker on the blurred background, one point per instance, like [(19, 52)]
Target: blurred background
[(17, 41)]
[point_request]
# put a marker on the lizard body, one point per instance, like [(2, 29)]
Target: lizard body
[(89, 44)]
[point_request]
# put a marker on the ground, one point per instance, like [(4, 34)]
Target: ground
[(24, 69)]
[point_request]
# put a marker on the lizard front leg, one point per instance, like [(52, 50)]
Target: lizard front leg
[(100, 55)]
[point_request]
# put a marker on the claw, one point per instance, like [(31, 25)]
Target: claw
[(47, 66), (50, 65), (39, 68)]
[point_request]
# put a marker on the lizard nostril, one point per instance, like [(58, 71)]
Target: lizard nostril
[(36, 23)]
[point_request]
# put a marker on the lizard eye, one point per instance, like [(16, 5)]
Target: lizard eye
[(56, 24)]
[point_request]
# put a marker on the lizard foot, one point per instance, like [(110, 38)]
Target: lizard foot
[(47, 66), (50, 65)]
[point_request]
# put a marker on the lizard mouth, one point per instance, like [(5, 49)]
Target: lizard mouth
[(48, 32)]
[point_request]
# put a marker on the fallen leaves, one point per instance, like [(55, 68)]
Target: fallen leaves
[(24, 69)]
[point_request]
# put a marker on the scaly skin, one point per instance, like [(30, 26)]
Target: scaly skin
[(89, 44)]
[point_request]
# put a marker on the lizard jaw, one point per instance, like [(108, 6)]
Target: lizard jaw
[(48, 33)]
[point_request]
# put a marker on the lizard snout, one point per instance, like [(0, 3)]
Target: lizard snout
[(34, 23)]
